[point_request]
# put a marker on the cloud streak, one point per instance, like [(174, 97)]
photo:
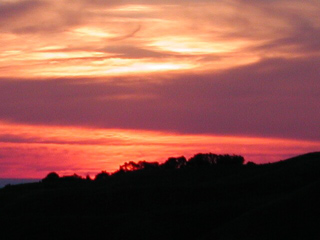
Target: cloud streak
[(33, 151), (273, 98)]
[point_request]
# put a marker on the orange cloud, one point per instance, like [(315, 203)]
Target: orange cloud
[(52, 38)]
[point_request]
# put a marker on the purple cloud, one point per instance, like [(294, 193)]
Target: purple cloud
[(275, 97), (9, 10)]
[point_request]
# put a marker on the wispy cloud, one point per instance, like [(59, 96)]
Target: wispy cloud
[(176, 35)]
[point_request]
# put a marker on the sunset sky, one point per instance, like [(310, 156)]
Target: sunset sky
[(86, 85)]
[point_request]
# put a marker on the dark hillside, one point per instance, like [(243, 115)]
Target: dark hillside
[(152, 201), (294, 213)]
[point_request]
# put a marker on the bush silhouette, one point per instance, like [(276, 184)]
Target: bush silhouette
[(132, 166), (229, 160), (175, 163), (251, 164), (198, 160), (72, 178), (203, 159), (102, 176), (51, 177)]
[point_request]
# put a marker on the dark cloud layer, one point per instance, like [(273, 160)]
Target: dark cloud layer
[(18, 9), (275, 97)]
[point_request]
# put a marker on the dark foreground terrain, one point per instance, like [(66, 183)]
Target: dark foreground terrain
[(217, 201)]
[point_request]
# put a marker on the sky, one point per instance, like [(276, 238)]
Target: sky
[(86, 85)]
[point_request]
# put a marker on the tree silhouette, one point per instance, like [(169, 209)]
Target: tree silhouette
[(102, 176), (203, 159), (51, 177), (229, 160), (132, 166), (175, 163), (71, 178), (210, 159), (251, 164)]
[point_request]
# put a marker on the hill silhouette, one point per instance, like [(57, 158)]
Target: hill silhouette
[(208, 196)]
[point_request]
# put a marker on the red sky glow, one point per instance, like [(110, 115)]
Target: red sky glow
[(88, 85)]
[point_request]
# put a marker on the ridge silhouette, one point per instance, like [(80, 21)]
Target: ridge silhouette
[(208, 196)]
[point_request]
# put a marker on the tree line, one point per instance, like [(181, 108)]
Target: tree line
[(199, 160)]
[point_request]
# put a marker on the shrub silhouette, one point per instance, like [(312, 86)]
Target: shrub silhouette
[(198, 160), (102, 176), (149, 165), (72, 178), (251, 164), (51, 177), (88, 178), (203, 159), (175, 163), (229, 160), (210, 159), (132, 166)]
